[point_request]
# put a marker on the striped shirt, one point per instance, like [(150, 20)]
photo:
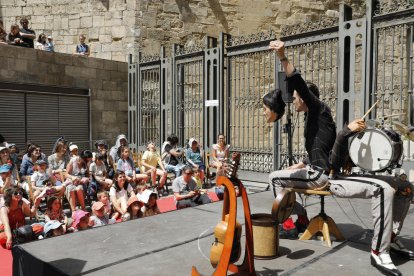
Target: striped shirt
[(320, 129)]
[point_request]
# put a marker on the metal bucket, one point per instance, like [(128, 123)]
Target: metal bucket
[(265, 236)]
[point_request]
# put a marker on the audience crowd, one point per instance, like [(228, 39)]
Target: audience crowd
[(25, 37), (109, 176)]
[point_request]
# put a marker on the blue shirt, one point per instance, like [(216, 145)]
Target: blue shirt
[(82, 48), (193, 156), (51, 46), (27, 167)]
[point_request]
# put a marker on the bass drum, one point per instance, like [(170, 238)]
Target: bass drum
[(376, 150)]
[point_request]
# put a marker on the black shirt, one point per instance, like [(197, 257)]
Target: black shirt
[(173, 159), (2, 140), (320, 129), (29, 42), (340, 150)]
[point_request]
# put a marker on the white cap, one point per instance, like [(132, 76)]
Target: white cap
[(72, 147), (50, 37), (190, 143)]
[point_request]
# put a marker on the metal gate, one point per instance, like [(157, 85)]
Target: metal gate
[(354, 62)]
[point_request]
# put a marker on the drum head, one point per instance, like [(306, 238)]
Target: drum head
[(283, 206), (373, 151)]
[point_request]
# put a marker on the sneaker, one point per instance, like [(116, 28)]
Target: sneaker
[(40, 237), (398, 248), (291, 234), (384, 264)]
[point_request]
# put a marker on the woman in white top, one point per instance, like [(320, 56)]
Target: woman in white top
[(41, 42), (119, 192), (220, 152)]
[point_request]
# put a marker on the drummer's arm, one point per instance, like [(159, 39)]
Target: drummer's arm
[(340, 148)]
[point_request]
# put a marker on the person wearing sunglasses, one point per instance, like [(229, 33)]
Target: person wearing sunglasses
[(34, 154), (27, 34), (12, 215), (27, 149), (186, 193), (41, 42)]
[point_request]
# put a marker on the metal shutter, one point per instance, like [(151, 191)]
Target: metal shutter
[(74, 120), (12, 119), (43, 120)]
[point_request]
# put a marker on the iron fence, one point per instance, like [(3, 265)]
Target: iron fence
[(203, 90)]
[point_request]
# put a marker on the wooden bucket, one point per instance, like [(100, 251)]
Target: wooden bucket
[(265, 236)]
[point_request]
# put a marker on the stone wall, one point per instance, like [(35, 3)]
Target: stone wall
[(115, 28), (107, 80)]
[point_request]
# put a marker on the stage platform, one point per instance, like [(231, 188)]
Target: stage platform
[(171, 243)]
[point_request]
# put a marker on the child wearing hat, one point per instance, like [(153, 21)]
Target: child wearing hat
[(73, 151), (81, 220), (150, 207), (6, 181), (49, 45), (133, 209), (99, 218), (41, 176), (54, 228)]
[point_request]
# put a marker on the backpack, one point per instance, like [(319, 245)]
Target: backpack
[(23, 234), (93, 187)]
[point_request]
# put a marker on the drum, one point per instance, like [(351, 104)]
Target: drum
[(376, 150)]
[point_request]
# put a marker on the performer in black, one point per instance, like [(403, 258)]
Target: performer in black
[(320, 134), (390, 196)]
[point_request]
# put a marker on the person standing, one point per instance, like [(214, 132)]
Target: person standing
[(27, 34), (82, 49)]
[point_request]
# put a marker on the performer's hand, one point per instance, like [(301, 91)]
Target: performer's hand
[(357, 125), (279, 46)]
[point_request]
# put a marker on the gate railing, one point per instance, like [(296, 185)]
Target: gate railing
[(202, 90)]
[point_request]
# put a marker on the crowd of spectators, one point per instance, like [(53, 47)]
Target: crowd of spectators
[(24, 37), (120, 191)]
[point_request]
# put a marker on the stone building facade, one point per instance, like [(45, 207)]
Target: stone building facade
[(106, 79), (116, 28)]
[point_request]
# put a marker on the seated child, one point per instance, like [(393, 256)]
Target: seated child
[(54, 228), (98, 170), (150, 207), (140, 188), (13, 154), (126, 164), (99, 217), (7, 181), (54, 212), (40, 177), (196, 177), (73, 151), (133, 209), (81, 220), (103, 197), (149, 162)]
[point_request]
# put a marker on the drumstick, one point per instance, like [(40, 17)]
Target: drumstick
[(391, 116), (372, 107)]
